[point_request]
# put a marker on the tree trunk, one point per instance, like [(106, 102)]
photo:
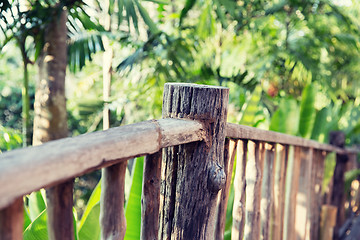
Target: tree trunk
[(50, 120)]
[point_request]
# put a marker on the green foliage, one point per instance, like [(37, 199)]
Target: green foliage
[(251, 107), (286, 117), (133, 205), (307, 111), (37, 229), (9, 139), (88, 227)]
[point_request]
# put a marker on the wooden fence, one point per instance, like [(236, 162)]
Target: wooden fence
[(190, 155)]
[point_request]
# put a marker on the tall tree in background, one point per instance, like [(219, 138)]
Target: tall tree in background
[(50, 122)]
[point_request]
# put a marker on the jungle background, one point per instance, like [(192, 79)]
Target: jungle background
[(291, 66)]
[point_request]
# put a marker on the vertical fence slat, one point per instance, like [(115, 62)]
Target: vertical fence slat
[(254, 168), (59, 211), (238, 224), (195, 170), (302, 225), (112, 216), (229, 157), (279, 191), (317, 173), (267, 190), (292, 182), (150, 199), (328, 221), (12, 221), (337, 138)]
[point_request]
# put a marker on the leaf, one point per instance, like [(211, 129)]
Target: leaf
[(93, 200), (307, 111), (206, 25), (120, 11), (286, 117), (144, 14), (251, 107), (131, 13), (37, 230), (27, 220), (133, 205), (90, 228), (188, 6), (36, 205), (321, 125)]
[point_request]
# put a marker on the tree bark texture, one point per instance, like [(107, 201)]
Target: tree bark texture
[(193, 174), (50, 121)]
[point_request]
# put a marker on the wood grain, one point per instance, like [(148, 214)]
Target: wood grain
[(193, 173), (238, 224), (112, 214), (150, 199), (254, 169), (59, 211), (245, 132), (292, 183), (267, 199), (317, 174), (303, 207), (12, 221), (328, 222), (25, 170), (229, 157), (282, 152)]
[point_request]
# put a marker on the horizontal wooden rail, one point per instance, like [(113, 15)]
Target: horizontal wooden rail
[(25, 170), (250, 133)]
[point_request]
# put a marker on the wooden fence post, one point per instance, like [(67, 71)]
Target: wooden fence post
[(337, 138), (193, 174), (12, 221), (59, 211), (112, 214), (150, 198)]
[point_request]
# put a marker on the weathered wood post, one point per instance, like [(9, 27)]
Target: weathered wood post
[(337, 138), (12, 221), (112, 214), (193, 174)]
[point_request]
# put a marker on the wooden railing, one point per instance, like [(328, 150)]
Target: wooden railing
[(190, 155)]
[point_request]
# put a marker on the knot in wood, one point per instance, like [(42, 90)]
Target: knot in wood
[(216, 179)]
